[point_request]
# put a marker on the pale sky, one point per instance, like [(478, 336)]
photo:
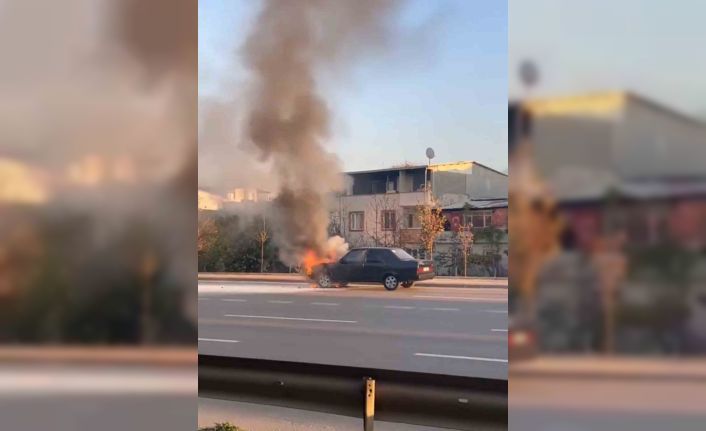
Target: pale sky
[(655, 48), (449, 93)]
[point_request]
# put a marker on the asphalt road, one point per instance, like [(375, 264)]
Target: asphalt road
[(544, 403), (61, 397), (456, 331)]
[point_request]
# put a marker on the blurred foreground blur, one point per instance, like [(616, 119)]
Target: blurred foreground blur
[(97, 178), (608, 217)]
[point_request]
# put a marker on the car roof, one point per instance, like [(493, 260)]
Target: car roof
[(374, 248)]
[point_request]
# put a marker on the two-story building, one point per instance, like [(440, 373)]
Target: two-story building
[(619, 162), (621, 145), (379, 207)]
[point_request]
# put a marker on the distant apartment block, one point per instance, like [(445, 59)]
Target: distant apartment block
[(208, 201), (238, 195)]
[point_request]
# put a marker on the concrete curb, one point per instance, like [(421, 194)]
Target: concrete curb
[(123, 355), (466, 282)]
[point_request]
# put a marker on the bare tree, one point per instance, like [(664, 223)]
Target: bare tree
[(262, 236), (432, 222), (337, 222), (384, 230), (465, 239)]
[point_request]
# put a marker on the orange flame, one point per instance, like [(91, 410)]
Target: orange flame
[(310, 260)]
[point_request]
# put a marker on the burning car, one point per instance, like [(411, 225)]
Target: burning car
[(390, 266)]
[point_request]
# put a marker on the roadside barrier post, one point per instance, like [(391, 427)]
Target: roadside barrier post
[(369, 418)]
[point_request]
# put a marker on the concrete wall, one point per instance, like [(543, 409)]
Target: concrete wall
[(477, 182), (654, 142), (562, 144), (405, 182), (367, 205), (485, 183), (402, 203), (449, 182), (616, 135)]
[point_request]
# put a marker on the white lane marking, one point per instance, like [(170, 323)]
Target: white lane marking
[(203, 299), (499, 330), (444, 309), (400, 307), (253, 288), (468, 358), (325, 303), (275, 301), (290, 318), (234, 300), (463, 298), (216, 340)]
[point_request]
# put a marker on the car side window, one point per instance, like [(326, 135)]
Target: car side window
[(378, 256), (354, 256)]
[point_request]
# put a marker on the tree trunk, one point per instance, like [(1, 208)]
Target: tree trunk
[(262, 257)]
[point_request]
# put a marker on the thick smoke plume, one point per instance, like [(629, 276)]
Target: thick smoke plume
[(288, 120), (98, 108)]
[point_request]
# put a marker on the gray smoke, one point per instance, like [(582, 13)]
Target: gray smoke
[(100, 98), (220, 148), (288, 121)]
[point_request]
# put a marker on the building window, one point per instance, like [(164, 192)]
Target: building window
[(480, 219), (410, 221), (388, 219), (355, 222)]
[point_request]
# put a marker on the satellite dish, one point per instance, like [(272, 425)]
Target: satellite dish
[(529, 73), (430, 153)]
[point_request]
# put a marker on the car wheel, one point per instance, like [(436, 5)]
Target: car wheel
[(390, 282), (324, 280), (408, 284)]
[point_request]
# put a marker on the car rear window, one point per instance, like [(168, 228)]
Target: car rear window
[(402, 255)]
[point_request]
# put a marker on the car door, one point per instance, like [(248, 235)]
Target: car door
[(376, 264), (351, 266), (404, 265)]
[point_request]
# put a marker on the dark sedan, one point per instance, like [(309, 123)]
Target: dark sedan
[(389, 266)]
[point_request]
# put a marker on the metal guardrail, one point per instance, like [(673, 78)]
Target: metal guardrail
[(464, 403)]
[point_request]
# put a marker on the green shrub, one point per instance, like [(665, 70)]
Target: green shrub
[(225, 426)]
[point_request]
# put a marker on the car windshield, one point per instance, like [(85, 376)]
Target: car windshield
[(354, 256), (402, 255)]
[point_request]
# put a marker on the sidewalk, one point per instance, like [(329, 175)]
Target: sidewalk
[(99, 355), (262, 417), (440, 281), (616, 367)]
